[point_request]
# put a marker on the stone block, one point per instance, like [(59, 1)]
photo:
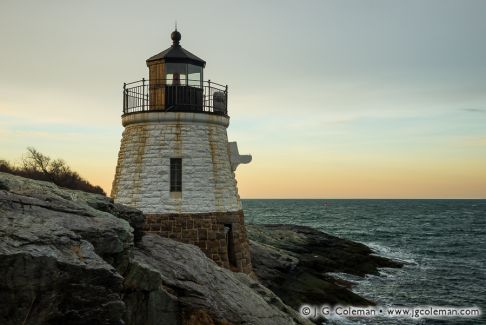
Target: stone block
[(154, 227), (212, 235), (190, 234), (189, 224), (176, 236), (176, 229), (202, 234)]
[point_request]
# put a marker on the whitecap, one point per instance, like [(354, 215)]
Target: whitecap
[(396, 254)]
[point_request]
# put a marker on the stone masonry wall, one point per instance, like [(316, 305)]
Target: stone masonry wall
[(206, 230), (142, 177)]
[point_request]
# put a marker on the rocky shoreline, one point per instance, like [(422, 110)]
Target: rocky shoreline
[(70, 257), (294, 262)]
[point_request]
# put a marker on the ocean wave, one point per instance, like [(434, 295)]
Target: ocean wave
[(399, 255), (345, 277), (440, 242)]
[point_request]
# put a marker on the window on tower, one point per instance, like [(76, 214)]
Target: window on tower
[(176, 174), (176, 74), (194, 75)]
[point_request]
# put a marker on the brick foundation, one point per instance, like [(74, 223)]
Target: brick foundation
[(228, 247)]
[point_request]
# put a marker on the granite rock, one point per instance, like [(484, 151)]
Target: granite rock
[(177, 282), (69, 257), (297, 263), (59, 256)]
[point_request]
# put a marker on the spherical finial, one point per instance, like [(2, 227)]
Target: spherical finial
[(176, 37)]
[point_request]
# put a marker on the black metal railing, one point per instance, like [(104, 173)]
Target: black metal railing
[(185, 96)]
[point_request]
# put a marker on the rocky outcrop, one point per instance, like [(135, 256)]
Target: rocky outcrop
[(176, 281), (295, 262), (69, 257), (59, 256)]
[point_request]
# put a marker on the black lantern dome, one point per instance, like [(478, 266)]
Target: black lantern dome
[(177, 54)]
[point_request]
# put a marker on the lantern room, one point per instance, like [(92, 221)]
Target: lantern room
[(175, 84), (176, 65)]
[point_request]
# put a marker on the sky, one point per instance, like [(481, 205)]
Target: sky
[(333, 99)]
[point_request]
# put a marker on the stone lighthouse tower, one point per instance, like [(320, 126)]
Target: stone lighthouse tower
[(175, 162)]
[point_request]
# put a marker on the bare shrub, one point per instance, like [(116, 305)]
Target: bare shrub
[(36, 165)]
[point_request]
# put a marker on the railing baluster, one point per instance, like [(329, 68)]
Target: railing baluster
[(209, 96), (226, 100), (143, 94), (124, 98)]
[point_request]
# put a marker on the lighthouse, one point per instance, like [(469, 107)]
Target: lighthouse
[(175, 163)]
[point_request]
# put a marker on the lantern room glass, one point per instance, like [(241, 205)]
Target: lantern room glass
[(182, 74), (176, 74), (195, 75)]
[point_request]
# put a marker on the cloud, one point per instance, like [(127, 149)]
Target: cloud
[(474, 110)]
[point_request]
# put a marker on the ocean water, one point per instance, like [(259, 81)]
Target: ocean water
[(442, 242)]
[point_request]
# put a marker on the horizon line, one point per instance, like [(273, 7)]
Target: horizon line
[(359, 198)]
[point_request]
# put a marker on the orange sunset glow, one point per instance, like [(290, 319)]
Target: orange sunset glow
[(332, 100)]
